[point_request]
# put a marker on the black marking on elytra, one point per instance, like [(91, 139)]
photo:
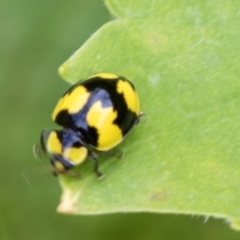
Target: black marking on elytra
[(64, 119), (125, 117), (77, 144), (91, 137), (100, 90)]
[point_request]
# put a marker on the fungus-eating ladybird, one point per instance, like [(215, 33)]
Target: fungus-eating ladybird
[(95, 114)]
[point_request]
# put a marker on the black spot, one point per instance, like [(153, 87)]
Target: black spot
[(90, 137), (64, 119), (77, 144)]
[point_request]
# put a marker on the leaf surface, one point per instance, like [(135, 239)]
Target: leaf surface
[(184, 156)]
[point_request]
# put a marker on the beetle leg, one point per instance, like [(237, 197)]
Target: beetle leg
[(118, 153), (94, 158), (137, 120)]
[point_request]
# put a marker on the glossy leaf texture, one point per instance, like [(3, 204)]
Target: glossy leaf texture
[(184, 156)]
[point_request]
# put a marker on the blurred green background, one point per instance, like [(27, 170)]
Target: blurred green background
[(36, 37)]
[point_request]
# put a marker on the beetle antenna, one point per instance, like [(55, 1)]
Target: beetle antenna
[(33, 173), (37, 152)]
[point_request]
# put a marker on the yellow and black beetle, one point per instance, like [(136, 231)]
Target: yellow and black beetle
[(95, 114)]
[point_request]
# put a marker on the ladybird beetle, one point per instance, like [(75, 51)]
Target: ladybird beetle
[(95, 114)]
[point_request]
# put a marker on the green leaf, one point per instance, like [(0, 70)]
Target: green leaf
[(184, 157)]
